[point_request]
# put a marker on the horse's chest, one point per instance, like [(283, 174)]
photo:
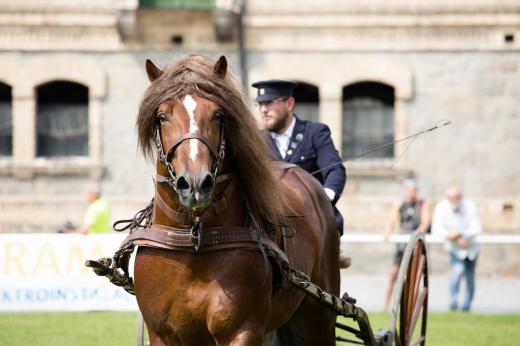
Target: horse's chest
[(201, 311), (203, 298)]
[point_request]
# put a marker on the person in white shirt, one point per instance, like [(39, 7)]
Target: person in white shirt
[(457, 220)]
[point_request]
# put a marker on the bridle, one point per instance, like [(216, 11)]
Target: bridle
[(165, 158)]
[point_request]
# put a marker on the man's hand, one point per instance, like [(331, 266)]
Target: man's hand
[(453, 235), (463, 243)]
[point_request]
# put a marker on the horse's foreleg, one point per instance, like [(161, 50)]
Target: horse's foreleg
[(244, 338), (155, 340)]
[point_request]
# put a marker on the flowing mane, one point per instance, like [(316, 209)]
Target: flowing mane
[(247, 146)]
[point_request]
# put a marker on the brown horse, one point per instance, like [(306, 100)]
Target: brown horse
[(217, 171)]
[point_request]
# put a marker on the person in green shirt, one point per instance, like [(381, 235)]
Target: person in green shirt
[(97, 216)]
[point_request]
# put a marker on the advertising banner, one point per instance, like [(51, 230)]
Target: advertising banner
[(46, 272)]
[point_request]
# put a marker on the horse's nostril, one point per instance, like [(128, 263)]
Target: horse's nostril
[(182, 184), (207, 184)]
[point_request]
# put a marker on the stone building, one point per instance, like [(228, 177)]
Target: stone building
[(72, 75)]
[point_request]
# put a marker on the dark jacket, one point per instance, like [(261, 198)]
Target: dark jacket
[(311, 148)]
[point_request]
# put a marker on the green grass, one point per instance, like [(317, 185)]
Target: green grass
[(68, 328), (114, 328), (459, 329)]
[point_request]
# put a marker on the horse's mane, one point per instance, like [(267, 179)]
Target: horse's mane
[(247, 145)]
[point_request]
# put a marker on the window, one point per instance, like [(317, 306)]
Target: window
[(179, 4), (62, 119), (6, 121), (307, 98), (368, 119)]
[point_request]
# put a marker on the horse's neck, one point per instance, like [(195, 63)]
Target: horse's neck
[(227, 209)]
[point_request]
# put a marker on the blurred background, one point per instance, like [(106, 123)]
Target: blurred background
[(72, 75)]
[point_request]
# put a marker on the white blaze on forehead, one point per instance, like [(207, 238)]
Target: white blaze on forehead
[(190, 105)]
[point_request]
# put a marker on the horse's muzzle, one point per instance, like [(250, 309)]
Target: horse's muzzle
[(195, 192)]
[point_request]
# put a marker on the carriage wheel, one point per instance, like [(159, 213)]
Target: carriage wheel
[(410, 297)]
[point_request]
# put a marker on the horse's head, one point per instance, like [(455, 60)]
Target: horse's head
[(181, 120), (189, 136)]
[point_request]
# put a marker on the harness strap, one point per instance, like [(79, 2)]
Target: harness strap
[(256, 227), (186, 240), (173, 215), (220, 178), (162, 179), (206, 239), (191, 135)]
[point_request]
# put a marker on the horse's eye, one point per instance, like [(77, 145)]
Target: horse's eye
[(162, 117), (219, 115)]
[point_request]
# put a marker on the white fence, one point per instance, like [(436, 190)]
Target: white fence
[(43, 272), (351, 238)]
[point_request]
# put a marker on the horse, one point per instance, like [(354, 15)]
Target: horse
[(218, 173)]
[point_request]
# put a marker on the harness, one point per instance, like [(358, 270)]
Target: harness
[(194, 237), (197, 238)]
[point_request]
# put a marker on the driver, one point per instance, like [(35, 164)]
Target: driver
[(301, 142)]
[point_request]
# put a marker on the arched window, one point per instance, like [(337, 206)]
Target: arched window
[(307, 98), (6, 121), (62, 119), (368, 119)]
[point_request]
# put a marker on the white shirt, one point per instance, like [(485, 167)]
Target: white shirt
[(282, 140), (465, 221)]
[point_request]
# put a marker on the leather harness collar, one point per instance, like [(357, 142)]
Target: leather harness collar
[(199, 239)]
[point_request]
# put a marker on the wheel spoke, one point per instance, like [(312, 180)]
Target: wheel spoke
[(420, 274), (410, 284), (403, 313), (418, 341), (416, 311)]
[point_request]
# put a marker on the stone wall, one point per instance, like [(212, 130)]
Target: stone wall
[(52, 191), (477, 91), (446, 60)]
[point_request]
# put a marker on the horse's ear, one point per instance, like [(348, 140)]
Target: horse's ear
[(220, 66), (152, 71)]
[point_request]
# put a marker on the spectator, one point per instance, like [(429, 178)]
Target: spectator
[(410, 215), (97, 216), (456, 219)]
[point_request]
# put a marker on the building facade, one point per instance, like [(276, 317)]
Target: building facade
[(72, 76)]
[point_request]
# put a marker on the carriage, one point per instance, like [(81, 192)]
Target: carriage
[(235, 249)]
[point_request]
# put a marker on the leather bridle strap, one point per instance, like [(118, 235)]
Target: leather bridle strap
[(173, 215), (220, 178), (191, 135), (165, 158)]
